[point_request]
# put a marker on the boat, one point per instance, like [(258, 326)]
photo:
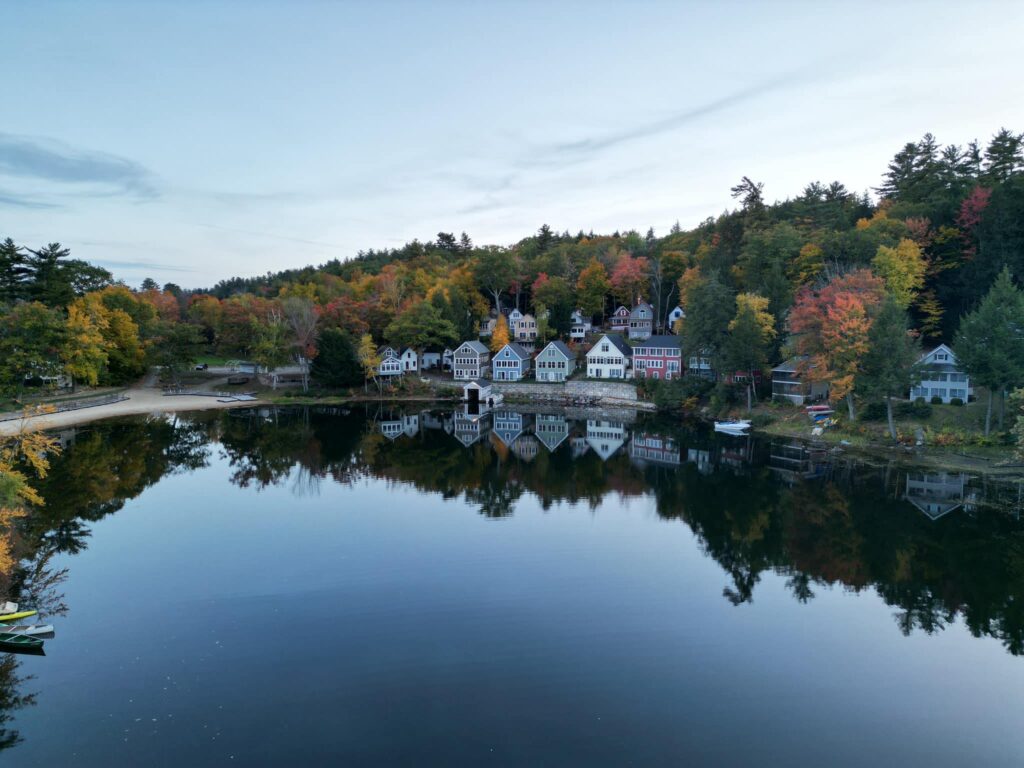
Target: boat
[(8, 607), (17, 615), (27, 629), (735, 427), (11, 640)]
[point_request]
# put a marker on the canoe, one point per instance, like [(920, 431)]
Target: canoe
[(19, 641), (8, 607), (27, 629), (18, 615)]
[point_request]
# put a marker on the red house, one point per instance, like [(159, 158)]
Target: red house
[(658, 357)]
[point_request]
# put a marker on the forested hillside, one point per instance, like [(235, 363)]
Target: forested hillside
[(833, 273)]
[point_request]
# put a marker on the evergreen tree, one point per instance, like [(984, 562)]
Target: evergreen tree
[(14, 272), (990, 342), (336, 364), (710, 307), (888, 368)]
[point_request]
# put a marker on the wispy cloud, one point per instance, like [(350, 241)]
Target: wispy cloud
[(253, 233), (142, 265), (578, 150), (45, 160), (14, 200)]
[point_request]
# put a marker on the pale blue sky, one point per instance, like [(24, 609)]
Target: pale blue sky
[(192, 141)]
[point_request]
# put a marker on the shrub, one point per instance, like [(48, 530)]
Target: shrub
[(762, 419), (872, 412), (936, 400), (956, 401), (918, 409)]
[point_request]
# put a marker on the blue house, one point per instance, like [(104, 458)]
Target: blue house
[(511, 363)]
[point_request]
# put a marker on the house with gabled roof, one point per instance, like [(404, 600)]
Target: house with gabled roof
[(556, 362), (609, 358), (472, 360), (522, 326), (942, 377), (390, 363), (790, 381), (618, 322), (509, 426), (511, 363), (641, 321), (410, 360), (606, 437), (673, 317)]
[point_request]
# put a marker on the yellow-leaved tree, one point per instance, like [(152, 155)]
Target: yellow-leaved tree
[(500, 335), (84, 351), (902, 268)]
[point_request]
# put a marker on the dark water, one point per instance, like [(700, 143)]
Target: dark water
[(313, 588)]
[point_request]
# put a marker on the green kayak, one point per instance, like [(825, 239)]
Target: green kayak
[(12, 640)]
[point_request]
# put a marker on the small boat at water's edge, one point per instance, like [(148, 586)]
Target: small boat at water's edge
[(735, 427), (18, 615), (27, 629), (12, 640)]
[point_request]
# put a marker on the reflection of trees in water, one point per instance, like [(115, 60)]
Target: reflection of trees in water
[(847, 525), (12, 699)]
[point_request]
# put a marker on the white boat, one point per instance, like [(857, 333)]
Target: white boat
[(27, 629), (736, 427), (9, 607)]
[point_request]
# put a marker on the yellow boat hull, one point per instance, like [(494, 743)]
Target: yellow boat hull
[(16, 616)]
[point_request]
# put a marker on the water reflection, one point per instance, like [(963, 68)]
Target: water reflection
[(935, 546)]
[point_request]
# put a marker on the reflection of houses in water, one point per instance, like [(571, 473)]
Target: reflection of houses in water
[(468, 427), (509, 425), (793, 460), (430, 420), (737, 453), (936, 494), (651, 448), (391, 428), (605, 437), (701, 457), (550, 429), (579, 446), (66, 438), (526, 447)]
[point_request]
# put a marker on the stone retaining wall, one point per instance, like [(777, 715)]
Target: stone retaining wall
[(615, 390)]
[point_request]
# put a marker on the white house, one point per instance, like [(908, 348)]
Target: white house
[(410, 360), (609, 358), (471, 361), (511, 363), (641, 321), (390, 363), (674, 317), (936, 494), (469, 427), (556, 362), (942, 377), (579, 326), (431, 359)]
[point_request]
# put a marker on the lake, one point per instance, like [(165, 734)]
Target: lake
[(547, 588)]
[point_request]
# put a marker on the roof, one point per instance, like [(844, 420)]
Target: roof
[(561, 347), (790, 366), (660, 341), (643, 306), (617, 341), (516, 350), (478, 383), (476, 346)]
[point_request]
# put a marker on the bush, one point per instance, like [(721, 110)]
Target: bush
[(918, 409), (872, 412), (956, 401), (762, 419), (936, 400)]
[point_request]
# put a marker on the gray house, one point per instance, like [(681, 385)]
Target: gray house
[(641, 321), (471, 361), (790, 382), (511, 363), (556, 362)]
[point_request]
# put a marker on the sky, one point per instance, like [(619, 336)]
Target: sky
[(195, 141)]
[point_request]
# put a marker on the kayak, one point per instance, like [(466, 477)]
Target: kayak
[(27, 629), (19, 641), (16, 616)]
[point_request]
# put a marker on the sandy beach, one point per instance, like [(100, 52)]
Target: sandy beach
[(140, 400)]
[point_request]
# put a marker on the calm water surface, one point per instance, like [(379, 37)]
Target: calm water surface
[(385, 588)]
